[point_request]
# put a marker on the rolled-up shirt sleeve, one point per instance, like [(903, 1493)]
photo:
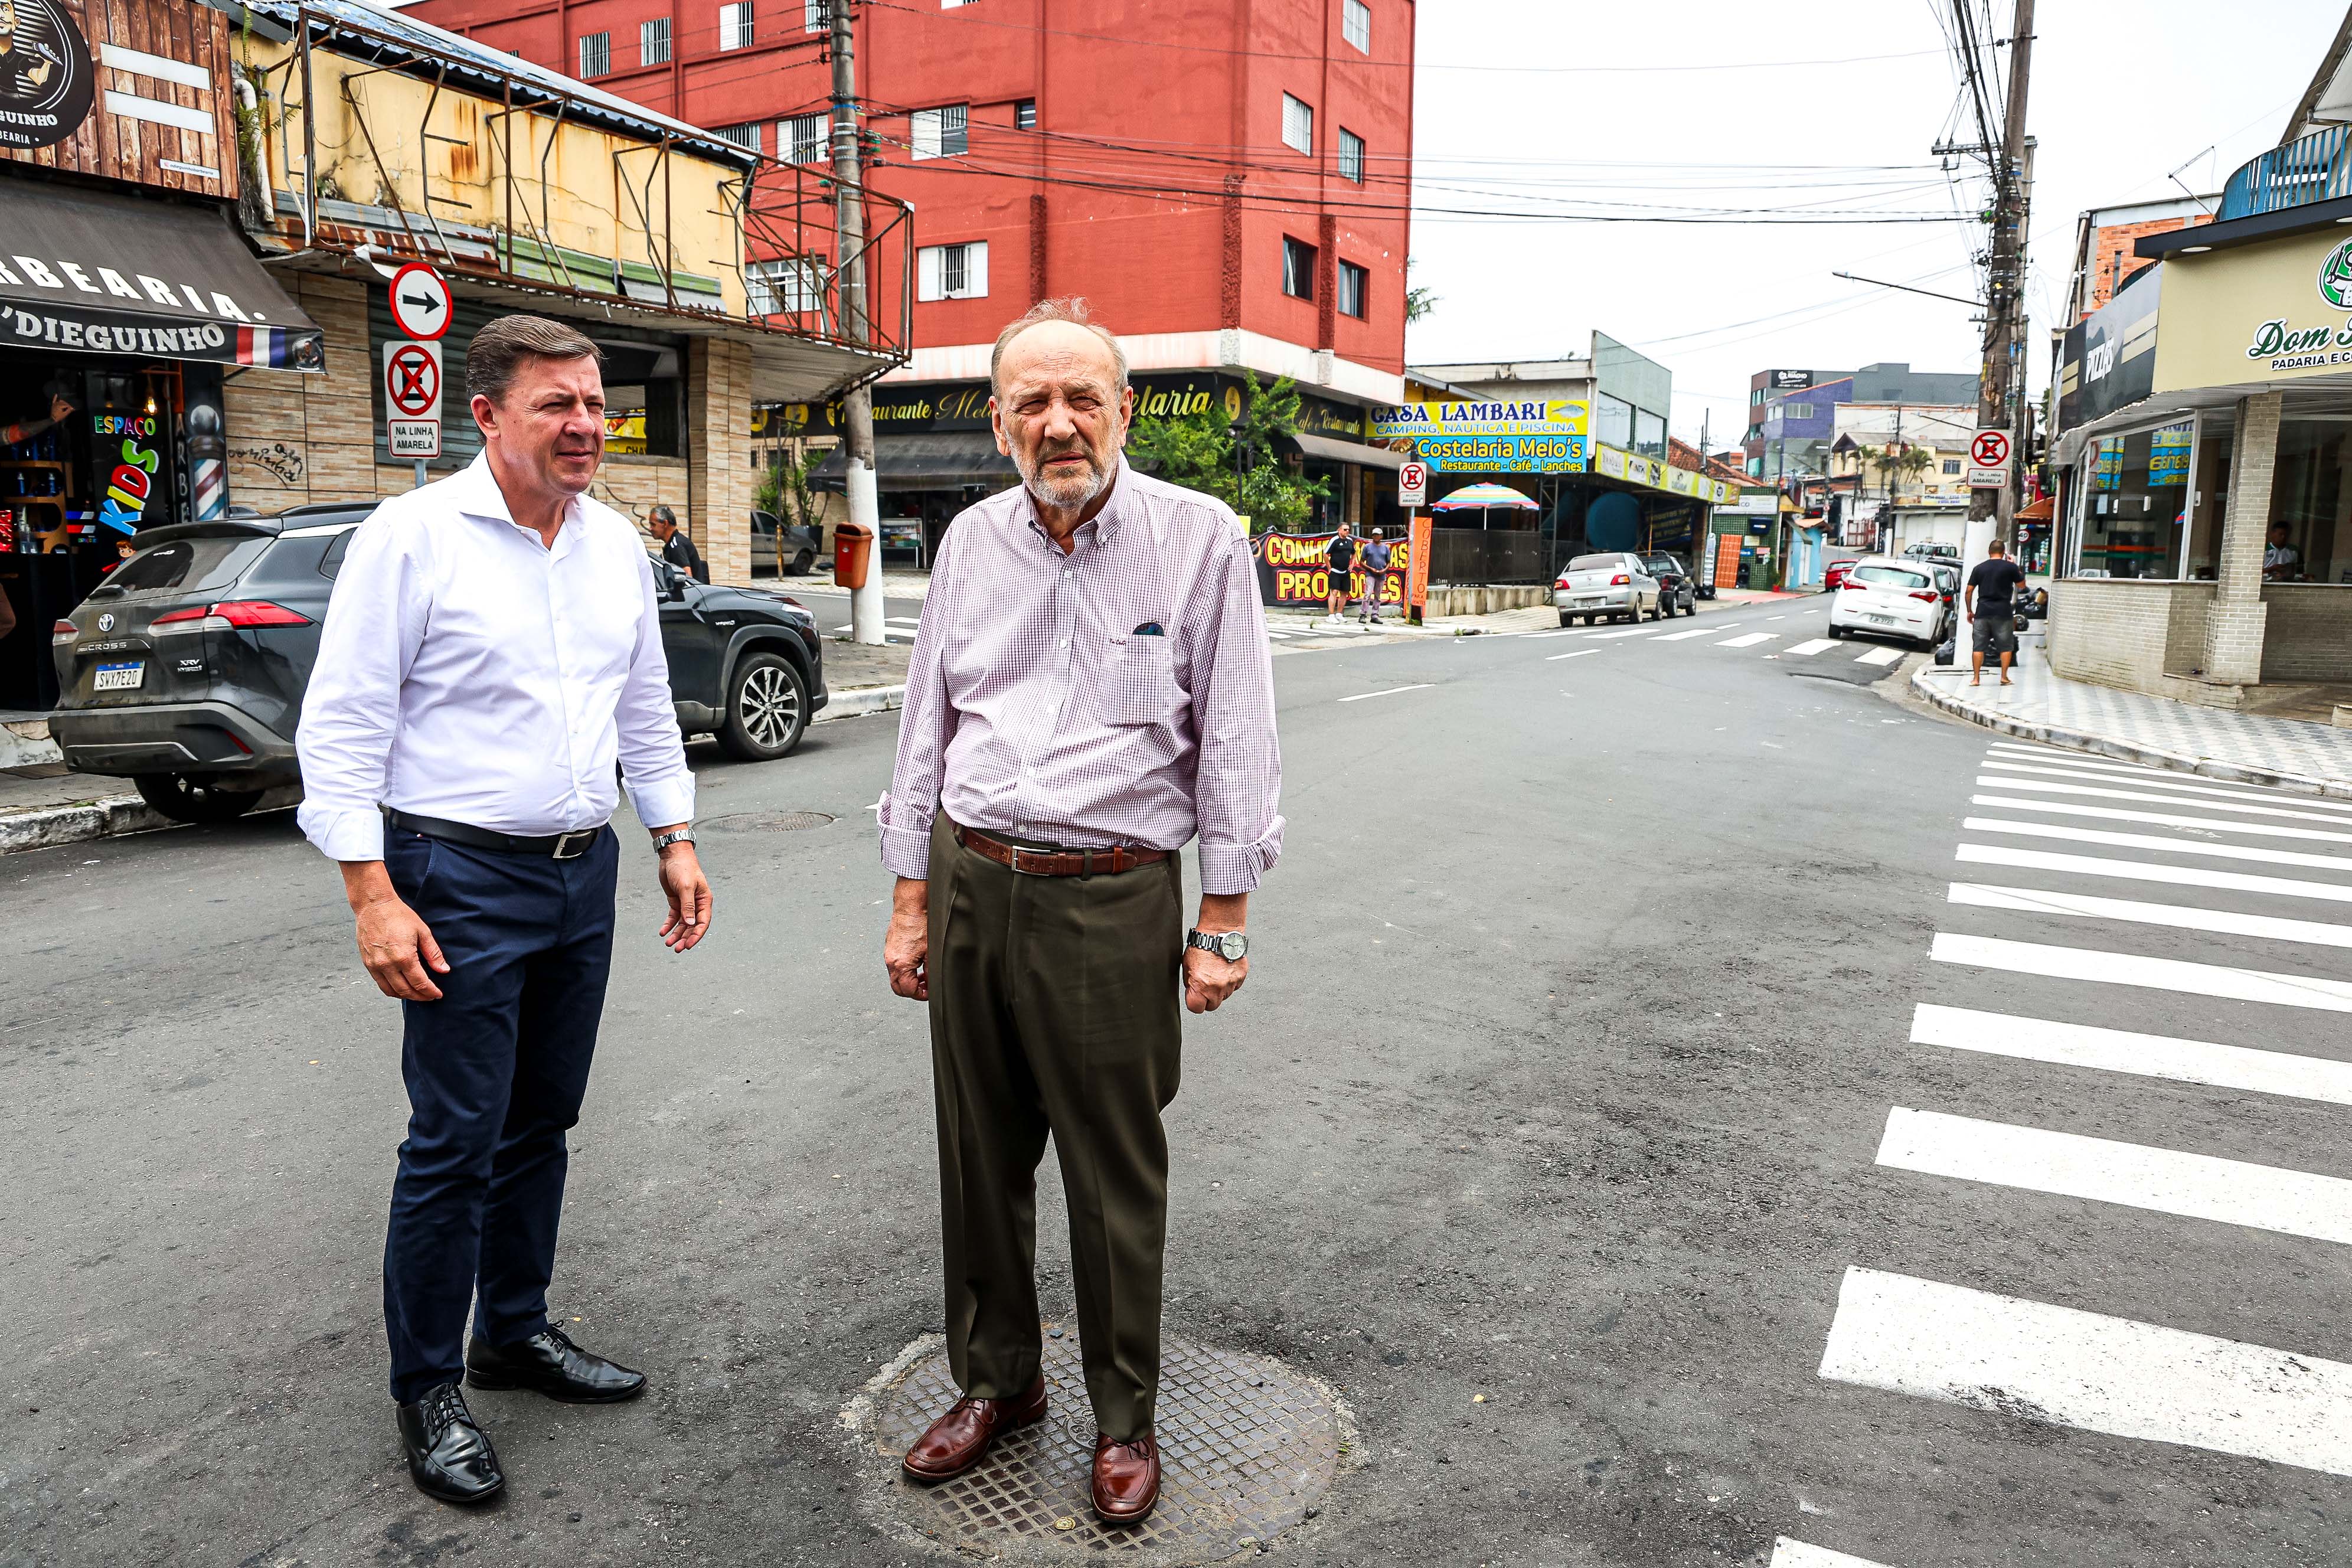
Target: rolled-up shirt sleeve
[(652, 751), (1238, 787), (926, 723), (351, 710)]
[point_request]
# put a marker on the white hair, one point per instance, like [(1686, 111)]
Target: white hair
[(1071, 308)]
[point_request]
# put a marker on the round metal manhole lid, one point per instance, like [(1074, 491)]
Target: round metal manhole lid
[(769, 821), (1248, 1448)]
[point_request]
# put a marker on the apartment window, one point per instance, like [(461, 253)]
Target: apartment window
[(1024, 115), (746, 135), (785, 287), (1298, 125), (1356, 25), (942, 132), (952, 271), (815, 17), (1351, 155), (1951, 465), (653, 42), (804, 139), (1796, 411), (735, 25), (1352, 280), (1298, 268), (596, 55)]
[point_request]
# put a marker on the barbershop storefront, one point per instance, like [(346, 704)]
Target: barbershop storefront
[(2204, 542)]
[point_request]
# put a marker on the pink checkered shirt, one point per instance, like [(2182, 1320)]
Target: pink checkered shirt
[(1034, 708)]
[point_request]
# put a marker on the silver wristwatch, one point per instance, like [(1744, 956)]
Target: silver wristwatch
[(675, 835), (1232, 946)]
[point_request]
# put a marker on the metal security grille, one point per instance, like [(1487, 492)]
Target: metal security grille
[(803, 139), (735, 25), (596, 55), (1351, 155), (1247, 1448), (653, 42)]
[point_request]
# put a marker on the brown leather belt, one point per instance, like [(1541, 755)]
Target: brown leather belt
[(1059, 862)]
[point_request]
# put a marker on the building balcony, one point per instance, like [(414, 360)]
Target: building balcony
[(2314, 168)]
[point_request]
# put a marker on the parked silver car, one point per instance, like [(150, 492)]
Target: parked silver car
[(1615, 584)]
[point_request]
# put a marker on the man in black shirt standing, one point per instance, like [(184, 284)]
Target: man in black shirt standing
[(1992, 613), (675, 547), (1340, 563)]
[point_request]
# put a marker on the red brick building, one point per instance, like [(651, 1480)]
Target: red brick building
[(1228, 181), (2103, 238)]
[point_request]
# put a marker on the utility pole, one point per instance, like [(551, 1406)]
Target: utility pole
[(1997, 385), (857, 407)]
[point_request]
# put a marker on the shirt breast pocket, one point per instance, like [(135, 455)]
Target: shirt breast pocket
[(1137, 684)]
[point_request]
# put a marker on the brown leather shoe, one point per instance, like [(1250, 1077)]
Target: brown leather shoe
[(1126, 1478), (958, 1440)]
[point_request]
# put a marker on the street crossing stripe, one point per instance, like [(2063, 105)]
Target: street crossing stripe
[(1879, 655), (1817, 645), (1391, 691), (2084, 760), (1748, 639), (2341, 810), (1699, 632), (900, 621), (1573, 653), (2123, 1051), (2135, 1175), (2149, 871), (2134, 969), (1532, 637), (2095, 792), (2153, 840), (2071, 1368), (1787, 1554), (1634, 632), (2180, 917), (2165, 818)]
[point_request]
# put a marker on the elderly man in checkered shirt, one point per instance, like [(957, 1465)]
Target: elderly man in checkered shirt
[(1091, 690)]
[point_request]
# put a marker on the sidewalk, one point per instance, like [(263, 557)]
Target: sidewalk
[(2156, 731)]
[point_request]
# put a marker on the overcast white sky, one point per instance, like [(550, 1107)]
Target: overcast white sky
[(2121, 94)]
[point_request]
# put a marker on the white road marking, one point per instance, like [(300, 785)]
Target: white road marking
[(1816, 645), (1748, 639), (2155, 841), (2084, 760), (2337, 810), (1391, 691), (1768, 620), (2148, 871), (1563, 632), (2072, 1368), (2180, 917), (2136, 1175), (1700, 632), (900, 621), (2132, 969), (1574, 653), (2169, 819), (2123, 1051), (1879, 655), (1640, 631), (2096, 791), (1787, 1554)]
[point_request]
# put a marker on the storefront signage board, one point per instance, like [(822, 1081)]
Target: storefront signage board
[(2110, 357), (1294, 569), (1519, 437), (412, 398), (165, 119), (2276, 310)]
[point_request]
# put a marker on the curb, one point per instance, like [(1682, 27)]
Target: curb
[(862, 700), (2124, 751)]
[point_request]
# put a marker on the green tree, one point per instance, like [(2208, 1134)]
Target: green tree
[(1895, 464), (1239, 461), (1420, 299), (783, 490)]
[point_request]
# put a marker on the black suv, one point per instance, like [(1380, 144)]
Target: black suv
[(184, 669), (1675, 589)]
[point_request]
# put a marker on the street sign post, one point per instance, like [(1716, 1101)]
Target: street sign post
[(421, 306), (412, 400), (1989, 460), (1413, 485)]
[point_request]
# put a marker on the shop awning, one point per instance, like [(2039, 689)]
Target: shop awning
[(926, 461), (1323, 448), (88, 272)]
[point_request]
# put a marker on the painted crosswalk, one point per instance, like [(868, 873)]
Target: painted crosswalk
[(2106, 888)]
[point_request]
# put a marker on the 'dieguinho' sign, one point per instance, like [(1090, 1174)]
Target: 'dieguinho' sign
[(1529, 436)]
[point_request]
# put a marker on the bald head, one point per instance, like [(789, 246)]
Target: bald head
[(1061, 409)]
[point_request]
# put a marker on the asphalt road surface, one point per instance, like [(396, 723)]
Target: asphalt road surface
[(1811, 1127)]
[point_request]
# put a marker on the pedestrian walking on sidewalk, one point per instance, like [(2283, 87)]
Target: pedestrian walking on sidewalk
[(492, 649), (676, 547), (1090, 688), (1339, 560), (1992, 612), (1376, 565)]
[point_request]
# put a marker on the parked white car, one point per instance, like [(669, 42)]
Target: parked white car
[(1885, 595), (1615, 584)]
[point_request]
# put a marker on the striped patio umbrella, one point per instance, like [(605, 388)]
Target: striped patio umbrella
[(1483, 499)]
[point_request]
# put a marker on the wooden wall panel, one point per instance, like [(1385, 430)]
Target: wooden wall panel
[(134, 144)]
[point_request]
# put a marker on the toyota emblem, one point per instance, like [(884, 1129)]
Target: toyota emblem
[(105, 623)]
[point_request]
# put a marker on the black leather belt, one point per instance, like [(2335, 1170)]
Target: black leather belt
[(556, 847)]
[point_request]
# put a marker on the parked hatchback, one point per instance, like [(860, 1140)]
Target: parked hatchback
[(1886, 597), (1615, 584), (1835, 578), (184, 670), (779, 548), (1675, 589)]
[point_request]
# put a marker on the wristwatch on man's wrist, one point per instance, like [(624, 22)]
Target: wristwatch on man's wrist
[(1233, 946), (675, 835)]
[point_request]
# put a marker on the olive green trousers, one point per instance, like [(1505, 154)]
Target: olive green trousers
[(1055, 1009)]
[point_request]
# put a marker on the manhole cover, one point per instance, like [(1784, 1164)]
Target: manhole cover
[(1247, 1447), (769, 821)]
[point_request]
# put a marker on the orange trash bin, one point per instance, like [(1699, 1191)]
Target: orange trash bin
[(853, 554)]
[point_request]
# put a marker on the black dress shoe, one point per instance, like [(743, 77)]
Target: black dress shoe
[(449, 1457), (548, 1362)]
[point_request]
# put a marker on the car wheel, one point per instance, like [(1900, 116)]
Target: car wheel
[(186, 799), (1836, 630), (767, 709), (802, 562), (1566, 619)]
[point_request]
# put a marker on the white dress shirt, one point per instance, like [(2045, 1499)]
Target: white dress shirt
[(468, 672)]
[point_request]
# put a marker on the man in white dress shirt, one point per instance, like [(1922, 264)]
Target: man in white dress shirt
[(492, 648)]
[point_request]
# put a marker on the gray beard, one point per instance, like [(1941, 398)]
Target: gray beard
[(1063, 494)]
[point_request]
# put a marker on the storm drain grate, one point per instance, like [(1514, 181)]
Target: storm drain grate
[(769, 821), (1247, 1448)]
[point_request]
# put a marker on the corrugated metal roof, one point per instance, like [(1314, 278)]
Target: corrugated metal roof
[(487, 68)]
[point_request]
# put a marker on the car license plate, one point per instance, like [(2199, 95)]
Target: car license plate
[(119, 676), (1585, 599), (1883, 620)]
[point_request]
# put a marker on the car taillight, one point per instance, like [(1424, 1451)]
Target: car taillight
[(1927, 593), (236, 613), (62, 632), (1620, 580), (172, 617), (1562, 581)]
